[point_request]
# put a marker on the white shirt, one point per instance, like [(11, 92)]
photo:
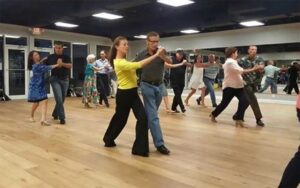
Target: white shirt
[(103, 64), (270, 71), (232, 74)]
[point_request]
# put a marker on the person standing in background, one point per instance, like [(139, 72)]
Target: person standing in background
[(103, 78)]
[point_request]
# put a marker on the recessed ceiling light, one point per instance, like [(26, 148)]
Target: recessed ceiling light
[(190, 31), (79, 43), (107, 16), (175, 3), (140, 36), (12, 36), (252, 23), (63, 24)]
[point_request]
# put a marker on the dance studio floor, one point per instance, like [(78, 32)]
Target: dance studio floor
[(203, 154)]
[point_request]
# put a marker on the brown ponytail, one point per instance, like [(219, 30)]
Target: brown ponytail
[(113, 50)]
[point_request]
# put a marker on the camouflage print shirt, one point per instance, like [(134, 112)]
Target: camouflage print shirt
[(253, 77)]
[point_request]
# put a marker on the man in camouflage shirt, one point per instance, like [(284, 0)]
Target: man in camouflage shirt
[(252, 81)]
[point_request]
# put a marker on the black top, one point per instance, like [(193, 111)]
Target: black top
[(293, 71), (177, 75), (59, 72)]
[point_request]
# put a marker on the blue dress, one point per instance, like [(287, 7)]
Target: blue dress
[(37, 88)]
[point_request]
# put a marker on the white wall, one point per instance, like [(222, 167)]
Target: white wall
[(286, 33), (55, 35)]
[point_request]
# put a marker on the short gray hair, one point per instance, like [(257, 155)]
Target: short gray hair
[(90, 58)]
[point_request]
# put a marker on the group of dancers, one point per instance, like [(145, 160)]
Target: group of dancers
[(240, 80)]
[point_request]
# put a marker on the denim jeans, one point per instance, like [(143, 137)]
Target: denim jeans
[(209, 83), (60, 88), (152, 98), (269, 82)]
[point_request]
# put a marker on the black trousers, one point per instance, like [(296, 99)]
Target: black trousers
[(125, 100), (228, 94), (101, 89), (250, 90), (293, 85), (177, 100), (291, 175)]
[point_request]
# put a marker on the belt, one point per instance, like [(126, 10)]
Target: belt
[(152, 83)]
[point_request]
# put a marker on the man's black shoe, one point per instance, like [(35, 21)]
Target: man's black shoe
[(260, 123), (163, 150), (62, 122), (55, 117)]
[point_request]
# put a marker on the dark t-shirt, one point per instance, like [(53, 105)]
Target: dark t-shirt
[(177, 75), (293, 71), (59, 72), (152, 72)]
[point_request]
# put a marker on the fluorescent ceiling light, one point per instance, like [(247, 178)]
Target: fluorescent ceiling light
[(175, 3), (252, 23), (63, 24), (1, 35), (140, 36), (12, 36), (190, 31), (79, 43), (107, 16)]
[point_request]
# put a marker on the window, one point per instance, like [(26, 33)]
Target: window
[(16, 40), (42, 43), (80, 53)]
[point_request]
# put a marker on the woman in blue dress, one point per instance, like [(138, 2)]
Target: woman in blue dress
[(37, 89)]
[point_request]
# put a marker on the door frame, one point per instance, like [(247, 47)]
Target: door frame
[(6, 70)]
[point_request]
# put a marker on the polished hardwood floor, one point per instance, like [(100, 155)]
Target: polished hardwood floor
[(203, 154)]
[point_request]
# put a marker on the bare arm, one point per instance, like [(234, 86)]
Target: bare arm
[(168, 65), (167, 59), (97, 68)]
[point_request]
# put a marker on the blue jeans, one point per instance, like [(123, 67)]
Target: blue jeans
[(60, 88), (152, 98), (209, 83), (269, 82)]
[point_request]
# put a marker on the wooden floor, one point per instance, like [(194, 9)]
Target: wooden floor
[(203, 154)]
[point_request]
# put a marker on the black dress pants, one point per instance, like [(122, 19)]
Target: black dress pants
[(250, 90), (228, 94), (291, 175), (177, 100), (101, 90), (125, 100)]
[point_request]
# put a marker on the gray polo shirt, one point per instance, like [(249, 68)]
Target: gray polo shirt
[(152, 72)]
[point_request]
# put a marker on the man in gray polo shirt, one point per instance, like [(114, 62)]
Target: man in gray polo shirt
[(151, 87)]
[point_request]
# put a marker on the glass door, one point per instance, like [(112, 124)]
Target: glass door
[(16, 82)]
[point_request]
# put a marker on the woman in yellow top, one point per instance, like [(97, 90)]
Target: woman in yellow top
[(127, 98)]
